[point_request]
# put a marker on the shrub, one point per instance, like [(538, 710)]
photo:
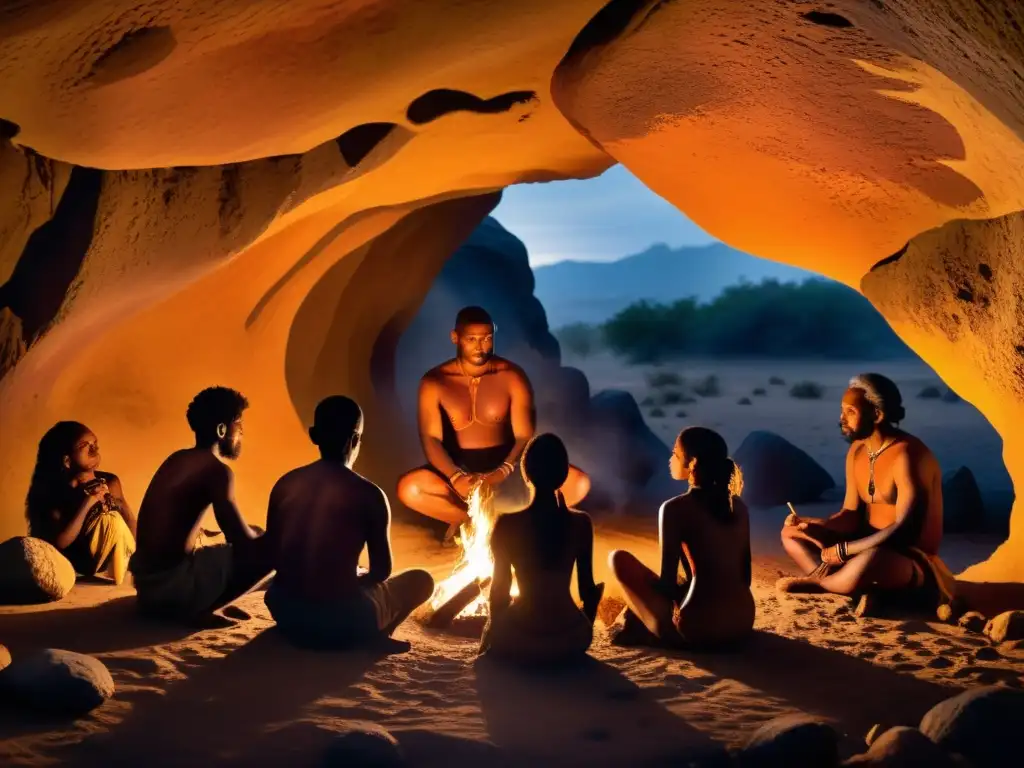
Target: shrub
[(950, 396), (708, 387), (807, 390), (658, 379), (680, 414), (930, 393), (743, 401), (672, 397), (579, 339), (647, 401), (777, 381), (657, 413), (759, 392)]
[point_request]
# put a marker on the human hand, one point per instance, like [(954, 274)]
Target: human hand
[(96, 491), (832, 555), (496, 477), (463, 485)]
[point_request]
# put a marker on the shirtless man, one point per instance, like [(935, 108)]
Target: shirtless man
[(476, 414), (175, 575), (886, 537), (320, 518)]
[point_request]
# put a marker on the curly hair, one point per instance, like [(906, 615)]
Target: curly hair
[(883, 394), (213, 406)]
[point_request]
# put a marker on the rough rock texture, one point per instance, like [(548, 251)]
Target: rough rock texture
[(776, 471), (982, 724), (290, 137), (364, 744), (962, 506), (1006, 626), (58, 682), (903, 747), (791, 740), (605, 435), (33, 571), (972, 621)]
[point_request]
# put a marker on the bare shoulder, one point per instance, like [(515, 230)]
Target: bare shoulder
[(581, 521), (916, 452), (509, 369), (678, 504), (109, 478), (856, 449)]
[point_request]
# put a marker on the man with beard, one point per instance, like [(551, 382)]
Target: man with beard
[(176, 576), (886, 537), (476, 415)]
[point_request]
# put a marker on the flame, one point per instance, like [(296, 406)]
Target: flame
[(476, 561)]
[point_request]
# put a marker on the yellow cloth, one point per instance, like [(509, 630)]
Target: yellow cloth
[(105, 544)]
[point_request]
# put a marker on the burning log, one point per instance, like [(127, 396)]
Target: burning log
[(447, 611)]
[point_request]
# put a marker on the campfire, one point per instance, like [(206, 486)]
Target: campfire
[(462, 595)]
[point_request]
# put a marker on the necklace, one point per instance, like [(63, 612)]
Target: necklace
[(473, 379), (872, 456)]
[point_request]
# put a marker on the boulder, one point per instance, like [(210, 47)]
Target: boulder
[(5, 658), (962, 506), (776, 471), (791, 740), (982, 724), (1005, 627), (972, 621), (58, 682), (33, 571), (903, 747), (364, 744)]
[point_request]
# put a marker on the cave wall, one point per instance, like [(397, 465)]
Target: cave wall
[(235, 153)]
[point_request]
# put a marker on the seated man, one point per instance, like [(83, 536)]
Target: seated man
[(476, 414), (320, 518), (886, 538), (76, 507), (543, 543), (176, 576)]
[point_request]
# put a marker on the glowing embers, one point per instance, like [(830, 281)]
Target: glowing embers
[(462, 596)]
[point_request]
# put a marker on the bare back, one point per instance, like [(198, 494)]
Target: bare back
[(320, 518), (717, 550), (186, 484), (544, 587)]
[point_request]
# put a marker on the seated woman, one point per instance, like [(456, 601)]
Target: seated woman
[(78, 509), (710, 526), (542, 543)]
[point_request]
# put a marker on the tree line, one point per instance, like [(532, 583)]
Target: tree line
[(813, 319)]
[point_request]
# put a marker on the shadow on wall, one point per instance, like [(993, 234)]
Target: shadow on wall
[(605, 434)]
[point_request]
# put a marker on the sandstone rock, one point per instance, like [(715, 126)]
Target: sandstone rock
[(776, 471), (58, 682), (5, 658), (903, 747), (982, 724), (33, 571), (365, 744), (962, 506), (791, 740), (972, 621), (1006, 626)]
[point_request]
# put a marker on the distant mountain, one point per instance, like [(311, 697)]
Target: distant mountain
[(592, 291)]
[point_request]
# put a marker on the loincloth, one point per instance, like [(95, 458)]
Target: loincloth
[(104, 544), (337, 623), (188, 588), (512, 493)]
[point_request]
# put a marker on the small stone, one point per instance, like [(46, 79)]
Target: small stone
[(987, 653), (33, 571), (5, 657), (58, 682), (791, 740), (982, 724), (903, 747), (972, 621), (1006, 626), (364, 744)]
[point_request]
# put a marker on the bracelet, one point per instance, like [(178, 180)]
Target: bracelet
[(510, 468), (455, 476), (841, 551)]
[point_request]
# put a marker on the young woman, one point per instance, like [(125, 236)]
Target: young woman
[(77, 508), (542, 543), (707, 529)]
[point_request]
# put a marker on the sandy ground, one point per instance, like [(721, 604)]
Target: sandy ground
[(240, 696)]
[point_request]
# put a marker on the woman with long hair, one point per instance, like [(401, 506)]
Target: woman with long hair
[(707, 530), (542, 543), (76, 507)]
